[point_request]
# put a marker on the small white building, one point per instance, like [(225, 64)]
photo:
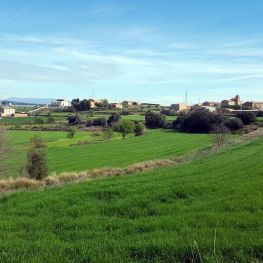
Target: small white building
[(60, 103), (7, 111)]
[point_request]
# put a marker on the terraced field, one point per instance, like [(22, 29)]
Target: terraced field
[(208, 211), (64, 154)]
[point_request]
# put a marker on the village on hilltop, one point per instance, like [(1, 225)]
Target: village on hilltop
[(233, 105)]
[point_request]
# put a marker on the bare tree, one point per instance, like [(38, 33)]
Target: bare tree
[(221, 134), (4, 149)]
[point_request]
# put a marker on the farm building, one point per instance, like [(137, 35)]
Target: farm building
[(129, 104), (150, 105), (60, 103), (116, 106), (232, 102), (211, 104), (254, 105), (7, 111), (179, 107)]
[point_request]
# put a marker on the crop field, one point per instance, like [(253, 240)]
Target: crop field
[(87, 150), (208, 211), (20, 121)]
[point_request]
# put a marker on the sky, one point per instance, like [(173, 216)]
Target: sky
[(146, 50)]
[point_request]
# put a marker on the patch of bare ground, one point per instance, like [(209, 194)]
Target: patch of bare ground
[(23, 183)]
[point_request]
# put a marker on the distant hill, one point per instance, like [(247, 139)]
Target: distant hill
[(29, 101)]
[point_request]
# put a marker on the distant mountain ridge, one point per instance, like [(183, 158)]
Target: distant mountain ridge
[(29, 101)]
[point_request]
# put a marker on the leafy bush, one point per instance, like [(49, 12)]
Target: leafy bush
[(100, 122), (154, 120), (247, 117), (260, 114), (39, 121), (114, 118), (139, 129), (125, 127), (234, 124), (73, 119), (72, 133), (198, 121), (50, 119), (108, 134), (36, 160)]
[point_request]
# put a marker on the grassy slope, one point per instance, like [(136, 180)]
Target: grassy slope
[(63, 157), (168, 215)]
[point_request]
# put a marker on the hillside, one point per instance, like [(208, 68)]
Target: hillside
[(207, 211), (65, 154)]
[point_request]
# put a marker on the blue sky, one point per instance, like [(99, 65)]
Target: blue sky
[(146, 50)]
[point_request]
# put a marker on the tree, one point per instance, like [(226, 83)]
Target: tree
[(125, 127), (220, 134), (114, 118), (75, 103), (154, 120), (247, 117), (100, 122), (139, 129), (198, 121), (72, 133), (234, 124), (36, 160), (108, 134), (74, 119)]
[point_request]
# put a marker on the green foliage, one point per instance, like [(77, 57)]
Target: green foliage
[(198, 121), (139, 129), (154, 120), (125, 127), (247, 117), (108, 134), (39, 121), (72, 132), (36, 166), (51, 119), (114, 118), (206, 211), (234, 124)]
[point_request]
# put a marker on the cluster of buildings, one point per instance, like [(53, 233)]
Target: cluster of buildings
[(63, 103), (233, 104), (228, 106)]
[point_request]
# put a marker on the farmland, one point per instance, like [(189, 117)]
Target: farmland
[(208, 211), (87, 150)]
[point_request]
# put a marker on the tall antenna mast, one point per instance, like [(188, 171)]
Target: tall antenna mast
[(186, 97)]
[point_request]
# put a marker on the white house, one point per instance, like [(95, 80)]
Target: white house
[(60, 103), (7, 111)]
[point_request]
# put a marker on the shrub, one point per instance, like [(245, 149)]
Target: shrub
[(108, 134), (247, 117), (72, 133), (100, 122), (234, 124), (154, 120), (114, 118), (198, 121), (125, 127), (73, 119), (139, 129), (89, 123), (50, 119), (36, 160), (260, 114), (39, 121)]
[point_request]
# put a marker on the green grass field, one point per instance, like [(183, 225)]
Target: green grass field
[(207, 211), (20, 121), (260, 119), (62, 156)]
